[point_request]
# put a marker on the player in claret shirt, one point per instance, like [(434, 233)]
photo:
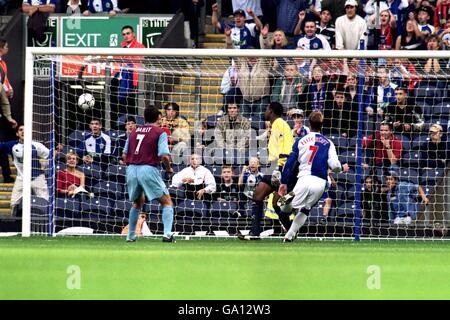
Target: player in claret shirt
[(145, 149)]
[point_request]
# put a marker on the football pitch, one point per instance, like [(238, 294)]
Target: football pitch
[(229, 269)]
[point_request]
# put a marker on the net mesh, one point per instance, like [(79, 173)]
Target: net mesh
[(392, 112)]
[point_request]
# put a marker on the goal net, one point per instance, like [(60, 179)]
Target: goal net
[(387, 115)]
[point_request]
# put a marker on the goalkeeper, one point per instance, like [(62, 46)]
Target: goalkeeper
[(280, 146)]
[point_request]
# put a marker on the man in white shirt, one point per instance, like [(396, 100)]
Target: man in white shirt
[(197, 180), (350, 28)]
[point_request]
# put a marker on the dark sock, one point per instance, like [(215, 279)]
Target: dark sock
[(257, 214), (283, 217)]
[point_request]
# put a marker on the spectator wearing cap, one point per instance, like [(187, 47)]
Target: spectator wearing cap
[(339, 118), (404, 116), (300, 130), (350, 28), (254, 5), (178, 126), (326, 28), (444, 35), (424, 14), (434, 153), (241, 35), (232, 130), (402, 199), (99, 6), (288, 88)]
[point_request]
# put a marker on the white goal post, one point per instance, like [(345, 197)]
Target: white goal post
[(215, 62)]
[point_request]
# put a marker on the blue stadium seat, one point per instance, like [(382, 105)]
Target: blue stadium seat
[(442, 120), (60, 166), (97, 205), (257, 122), (409, 175), (348, 157), (116, 173), (109, 189), (92, 172), (406, 142), (121, 207), (61, 156), (346, 209), (113, 134), (123, 119), (341, 143), (223, 208), (429, 177), (411, 159), (441, 108), (346, 179), (75, 138), (419, 141), (68, 207), (191, 208), (153, 207), (39, 206)]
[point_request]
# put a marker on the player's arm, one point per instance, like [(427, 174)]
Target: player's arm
[(164, 153), (291, 162), (333, 161)]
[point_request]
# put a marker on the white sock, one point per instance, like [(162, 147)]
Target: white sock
[(298, 222)]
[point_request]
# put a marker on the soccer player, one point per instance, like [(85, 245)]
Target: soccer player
[(146, 147), (280, 146), (315, 154)]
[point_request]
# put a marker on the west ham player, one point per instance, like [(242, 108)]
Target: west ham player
[(314, 154), (280, 146), (145, 148)]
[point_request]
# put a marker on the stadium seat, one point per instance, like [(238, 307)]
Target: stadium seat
[(406, 142), (75, 138), (96, 205), (257, 122), (152, 207), (419, 141), (39, 206), (113, 134), (121, 208), (341, 143), (348, 157), (92, 172), (191, 208), (442, 120), (123, 119), (68, 207), (116, 173), (429, 177), (411, 159), (60, 166), (223, 208), (346, 209), (346, 178), (409, 175), (61, 156), (109, 189)]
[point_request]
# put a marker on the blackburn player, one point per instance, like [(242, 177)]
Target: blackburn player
[(280, 146), (314, 154), (145, 148)]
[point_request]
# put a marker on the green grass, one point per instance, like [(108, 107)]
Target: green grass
[(37, 268)]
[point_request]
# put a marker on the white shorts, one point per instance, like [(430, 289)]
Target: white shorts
[(308, 190)]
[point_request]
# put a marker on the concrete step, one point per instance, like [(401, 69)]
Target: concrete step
[(5, 195), (204, 89), (6, 187), (204, 81), (5, 212), (5, 204), (205, 98), (213, 45)]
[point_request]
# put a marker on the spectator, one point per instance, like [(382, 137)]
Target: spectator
[(241, 35), (387, 30), (424, 13), (6, 121), (230, 81), (434, 66), (404, 116), (75, 7), (197, 180), (179, 127), (254, 84), (277, 41), (311, 40), (96, 147), (191, 10), (442, 14), (38, 153), (227, 189), (254, 5), (250, 176), (287, 89), (388, 148), (317, 92), (402, 199), (410, 39), (232, 130), (350, 28), (385, 90), (29, 7), (444, 35), (434, 153), (69, 179), (373, 201), (300, 130), (99, 6), (339, 118), (287, 15), (326, 28), (122, 138)]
